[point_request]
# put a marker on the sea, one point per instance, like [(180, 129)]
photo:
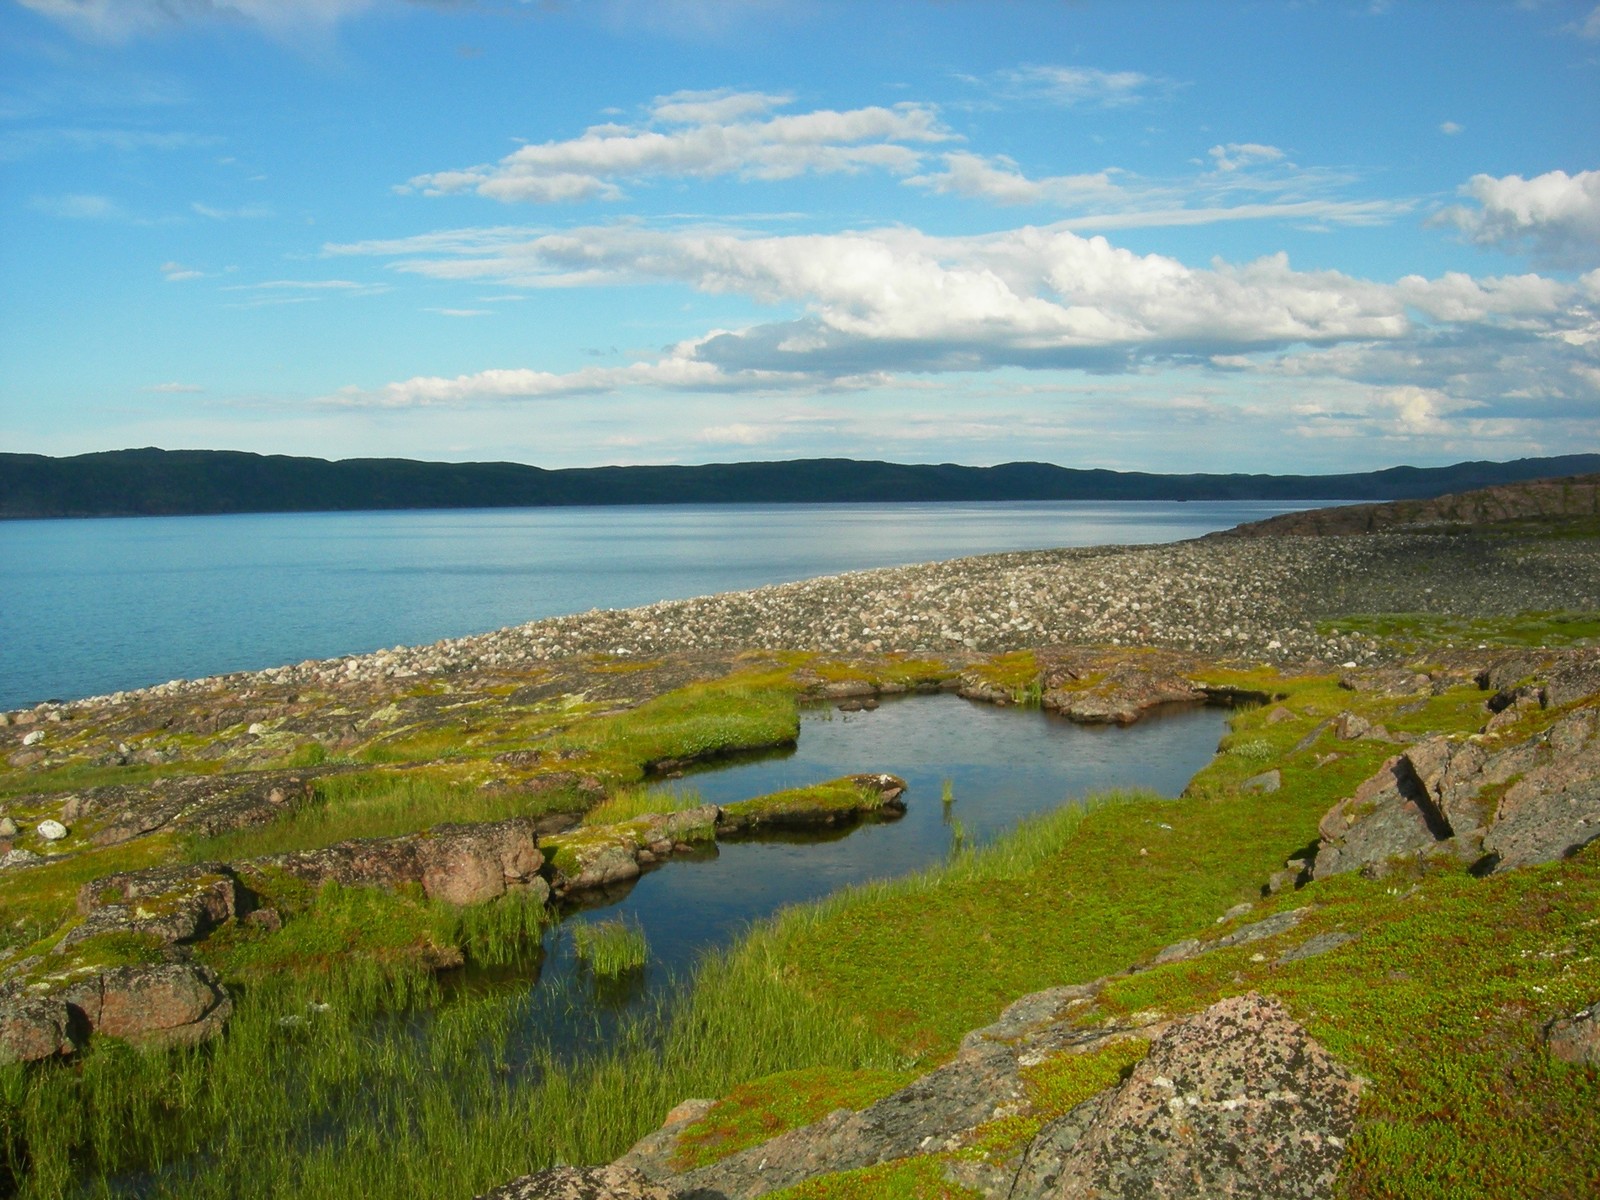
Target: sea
[(95, 606)]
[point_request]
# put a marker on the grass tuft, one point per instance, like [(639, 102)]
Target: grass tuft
[(610, 948)]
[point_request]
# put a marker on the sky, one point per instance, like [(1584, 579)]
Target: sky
[(1238, 235)]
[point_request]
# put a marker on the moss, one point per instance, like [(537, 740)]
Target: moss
[(920, 1178), (835, 798), (1411, 633)]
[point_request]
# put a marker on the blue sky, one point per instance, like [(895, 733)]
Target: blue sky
[(1155, 236)]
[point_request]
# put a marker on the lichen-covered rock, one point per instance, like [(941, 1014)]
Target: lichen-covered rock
[(1500, 808), (175, 904), (1236, 1101), (836, 802), (34, 1027), (598, 856), (1117, 689), (580, 1183), (155, 1004), (460, 864), (1552, 807)]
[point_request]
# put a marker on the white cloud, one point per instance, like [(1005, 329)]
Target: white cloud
[(701, 135), (1450, 128), (1078, 85), (175, 272), (1233, 155), (174, 389), (462, 312), (1589, 27), (1554, 216), (498, 384), (999, 180)]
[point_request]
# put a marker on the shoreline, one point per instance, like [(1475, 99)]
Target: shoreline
[(1259, 599)]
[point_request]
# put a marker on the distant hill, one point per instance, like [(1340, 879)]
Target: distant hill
[(152, 482)]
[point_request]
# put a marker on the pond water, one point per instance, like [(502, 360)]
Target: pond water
[(1002, 765)]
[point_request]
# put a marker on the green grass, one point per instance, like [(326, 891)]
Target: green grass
[(631, 803), (819, 801), (610, 948), (393, 1086), (694, 722)]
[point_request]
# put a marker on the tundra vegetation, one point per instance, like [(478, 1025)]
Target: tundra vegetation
[(353, 1060)]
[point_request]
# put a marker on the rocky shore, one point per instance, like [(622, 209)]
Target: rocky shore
[(1264, 599)]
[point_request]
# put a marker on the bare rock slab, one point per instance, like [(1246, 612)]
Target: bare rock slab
[(1238, 1100)]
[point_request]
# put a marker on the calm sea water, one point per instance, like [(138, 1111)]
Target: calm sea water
[(88, 607)]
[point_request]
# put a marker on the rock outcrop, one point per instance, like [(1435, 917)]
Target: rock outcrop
[(1494, 808), (458, 864), (1235, 1100), (580, 1183)]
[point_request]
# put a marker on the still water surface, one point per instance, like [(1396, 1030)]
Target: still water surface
[(88, 607)]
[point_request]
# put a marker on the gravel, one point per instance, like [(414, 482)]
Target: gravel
[(1258, 599)]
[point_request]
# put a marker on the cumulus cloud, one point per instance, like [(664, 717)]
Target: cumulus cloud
[(879, 308), (1555, 217), (701, 135)]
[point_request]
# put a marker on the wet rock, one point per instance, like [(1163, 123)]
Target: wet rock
[(459, 864), (1576, 1039), (1238, 1100), (581, 1183)]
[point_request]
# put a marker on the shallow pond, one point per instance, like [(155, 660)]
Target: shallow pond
[(1001, 764)]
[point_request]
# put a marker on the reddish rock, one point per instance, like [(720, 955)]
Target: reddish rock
[(581, 1183), (1236, 1101), (460, 864), (158, 1004)]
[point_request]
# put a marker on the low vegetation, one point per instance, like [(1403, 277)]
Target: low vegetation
[(352, 1065)]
